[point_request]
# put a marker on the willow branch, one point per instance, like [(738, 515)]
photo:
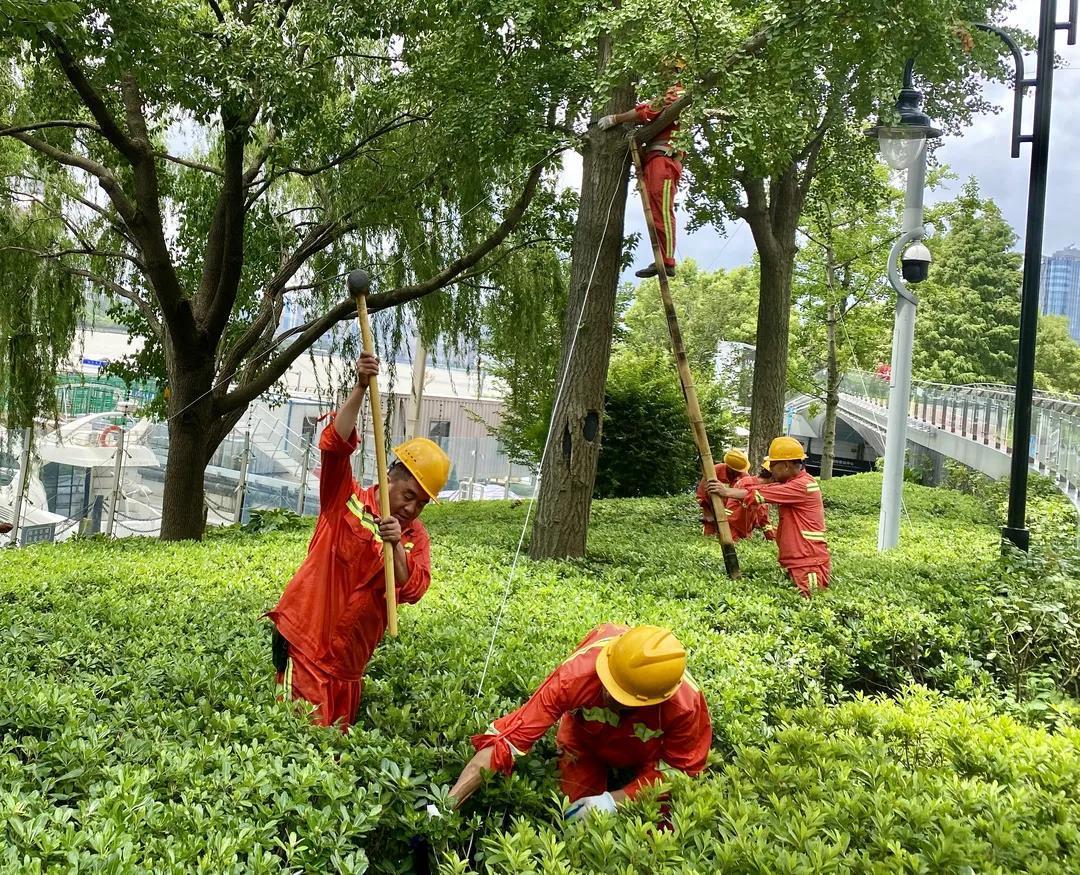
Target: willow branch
[(316, 328)]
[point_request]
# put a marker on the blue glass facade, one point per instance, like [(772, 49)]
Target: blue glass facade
[(1059, 291)]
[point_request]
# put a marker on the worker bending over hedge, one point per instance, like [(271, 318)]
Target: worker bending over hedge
[(734, 471), (333, 612), (623, 701), (800, 535)]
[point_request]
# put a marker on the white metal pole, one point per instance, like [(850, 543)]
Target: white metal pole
[(419, 370), (892, 484), (475, 460), (303, 477), (20, 484), (118, 464), (509, 474), (241, 490)]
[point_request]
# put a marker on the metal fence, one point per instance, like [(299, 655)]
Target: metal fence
[(983, 413), (108, 475)]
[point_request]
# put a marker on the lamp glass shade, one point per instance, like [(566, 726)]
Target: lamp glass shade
[(901, 147)]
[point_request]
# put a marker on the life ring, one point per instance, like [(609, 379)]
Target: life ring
[(103, 438)]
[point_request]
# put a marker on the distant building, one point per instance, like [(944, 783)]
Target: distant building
[(1059, 291)]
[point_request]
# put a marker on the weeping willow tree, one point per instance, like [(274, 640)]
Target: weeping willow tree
[(40, 305), (220, 161)]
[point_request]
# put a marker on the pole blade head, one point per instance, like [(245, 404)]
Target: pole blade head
[(359, 283)]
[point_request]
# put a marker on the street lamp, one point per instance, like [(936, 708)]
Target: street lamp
[(903, 147)]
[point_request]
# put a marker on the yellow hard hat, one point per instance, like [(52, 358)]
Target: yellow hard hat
[(427, 462), (786, 449), (643, 666), (765, 463), (675, 62), (737, 461)]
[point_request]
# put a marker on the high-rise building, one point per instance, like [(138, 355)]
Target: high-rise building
[(1059, 291)]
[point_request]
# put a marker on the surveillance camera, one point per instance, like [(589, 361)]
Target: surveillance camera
[(915, 263)]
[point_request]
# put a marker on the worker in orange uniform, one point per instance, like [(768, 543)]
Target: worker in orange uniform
[(803, 551), (333, 611), (661, 165), (623, 700), (741, 520)]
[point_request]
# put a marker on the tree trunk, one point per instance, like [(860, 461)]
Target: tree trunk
[(192, 440), (773, 216), (770, 359), (570, 457), (832, 398)]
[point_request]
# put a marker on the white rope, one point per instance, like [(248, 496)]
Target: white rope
[(547, 444)]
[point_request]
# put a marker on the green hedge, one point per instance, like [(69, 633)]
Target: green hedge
[(914, 718)]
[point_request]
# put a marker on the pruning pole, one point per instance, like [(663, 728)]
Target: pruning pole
[(693, 409), (359, 284)]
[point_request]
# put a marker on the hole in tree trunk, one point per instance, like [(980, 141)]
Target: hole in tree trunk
[(591, 425), (567, 443)]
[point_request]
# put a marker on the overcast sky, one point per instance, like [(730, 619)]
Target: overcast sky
[(983, 152)]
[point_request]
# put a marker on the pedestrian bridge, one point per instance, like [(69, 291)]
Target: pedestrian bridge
[(971, 424)]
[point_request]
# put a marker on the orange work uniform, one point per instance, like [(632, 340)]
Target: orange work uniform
[(742, 521), (800, 536), (662, 170), (593, 739), (333, 611)]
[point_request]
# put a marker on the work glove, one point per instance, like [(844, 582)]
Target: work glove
[(603, 802), (606, 123)]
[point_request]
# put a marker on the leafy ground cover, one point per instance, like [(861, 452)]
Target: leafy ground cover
[(920, 716)]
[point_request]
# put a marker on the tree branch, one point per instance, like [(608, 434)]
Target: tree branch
[(104, 176), (194, 165), (750, 47), (123, 292), (224, 260), (110, 129), (399, 121), (54, 123), (316, 328)]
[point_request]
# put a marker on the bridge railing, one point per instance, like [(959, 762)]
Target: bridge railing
[(984, 412)]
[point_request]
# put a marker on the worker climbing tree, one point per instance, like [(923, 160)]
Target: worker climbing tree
[(662, 164)]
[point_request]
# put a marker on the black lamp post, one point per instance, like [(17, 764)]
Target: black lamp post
[(1015, 531)]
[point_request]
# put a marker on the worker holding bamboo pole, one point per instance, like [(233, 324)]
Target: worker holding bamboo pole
[(662, 165), (333, 612), (734, 471), (800, 538)]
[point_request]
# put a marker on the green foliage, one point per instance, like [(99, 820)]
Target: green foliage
[(716, 306), (39, 311), (1057, 357), (522, 349), (277, 519), (969, 309), (138, 728), (647, 447), (841, 291)]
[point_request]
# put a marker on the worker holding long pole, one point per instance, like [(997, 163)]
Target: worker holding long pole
[(337, 606)]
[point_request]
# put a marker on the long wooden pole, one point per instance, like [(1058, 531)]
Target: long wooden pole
[(359, 284), (693, 409)]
